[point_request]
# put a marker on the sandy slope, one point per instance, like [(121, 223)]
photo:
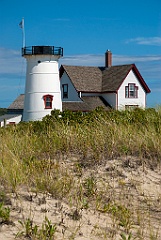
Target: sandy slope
[(133, 184)]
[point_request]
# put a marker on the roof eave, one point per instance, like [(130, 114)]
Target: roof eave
[(61, 71), (143, 83), (123, 80), (100, 92)]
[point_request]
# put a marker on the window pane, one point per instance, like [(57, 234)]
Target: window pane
[(131, 90), (48, 104), (65, 90), (126, 92), (132, 94), (131, 87)]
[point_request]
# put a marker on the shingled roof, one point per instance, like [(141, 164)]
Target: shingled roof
[(87, 104), (100, 79), (18, 103), (84, 78), (113, 77)]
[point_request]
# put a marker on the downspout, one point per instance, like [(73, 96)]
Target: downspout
[(80, 94)]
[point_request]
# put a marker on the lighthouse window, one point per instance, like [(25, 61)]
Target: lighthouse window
[(65, 90), (48, 101)]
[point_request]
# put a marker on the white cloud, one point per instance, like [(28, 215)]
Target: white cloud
[(11, 62), (158, 89), (153, 41), (147, 63), (84, 60), (132, 59), (149, 66)]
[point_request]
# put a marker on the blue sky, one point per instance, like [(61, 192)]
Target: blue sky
[(85, 29)]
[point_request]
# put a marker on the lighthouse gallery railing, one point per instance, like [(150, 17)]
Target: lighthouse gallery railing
[(42, 50)]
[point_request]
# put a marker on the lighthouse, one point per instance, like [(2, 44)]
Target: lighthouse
[(42, 88)]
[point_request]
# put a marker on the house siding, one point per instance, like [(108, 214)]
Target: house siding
[(139, 101), (72, 93), (110, 98), (11, 120)]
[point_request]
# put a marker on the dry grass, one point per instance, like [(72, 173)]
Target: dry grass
[(95, 176)]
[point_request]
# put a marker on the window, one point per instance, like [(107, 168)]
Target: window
[(48, 101), (131, 91), (131, 107), (65, 90)]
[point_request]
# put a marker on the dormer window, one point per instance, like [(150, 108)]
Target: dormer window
[(131, 91), (48, 101), (65, 90)]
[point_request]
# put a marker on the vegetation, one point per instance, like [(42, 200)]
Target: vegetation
[(4, 214), (31, 231), (52, 157), (3, 111)]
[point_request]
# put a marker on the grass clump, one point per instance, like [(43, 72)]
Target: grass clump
[(32, 231), (4, 214)]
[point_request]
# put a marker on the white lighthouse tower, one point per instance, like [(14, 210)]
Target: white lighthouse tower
[(42, 90)]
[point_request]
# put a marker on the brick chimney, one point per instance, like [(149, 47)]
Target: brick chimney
[(108, 59)]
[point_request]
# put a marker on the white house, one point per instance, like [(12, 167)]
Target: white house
[(118, 87), (10, 119), (80, 88)]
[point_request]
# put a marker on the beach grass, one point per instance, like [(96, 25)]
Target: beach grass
[(61, 154)]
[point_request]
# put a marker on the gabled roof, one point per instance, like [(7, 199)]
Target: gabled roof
[(84, 78), (113, 77), (100, 79)]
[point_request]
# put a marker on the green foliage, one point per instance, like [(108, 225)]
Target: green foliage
[(4, 214), (124, 237), (3, 111), (90, 186), (47, 230), (4, 198), (32, 231), (122, 214)]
